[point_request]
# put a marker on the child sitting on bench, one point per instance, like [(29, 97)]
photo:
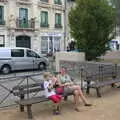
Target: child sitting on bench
[(50, 93)]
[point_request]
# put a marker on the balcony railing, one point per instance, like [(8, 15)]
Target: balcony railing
[(2, 22), (58, 26), (44, 25), (25, 23)]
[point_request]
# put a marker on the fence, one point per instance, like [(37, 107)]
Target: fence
[(78, 70), (94, 69), (7, 83)]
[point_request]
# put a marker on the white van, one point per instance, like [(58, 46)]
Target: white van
[(20, 59)]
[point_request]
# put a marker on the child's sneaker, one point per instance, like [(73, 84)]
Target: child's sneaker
[(56, 112)]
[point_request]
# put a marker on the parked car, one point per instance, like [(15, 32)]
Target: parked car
[(20, 59)]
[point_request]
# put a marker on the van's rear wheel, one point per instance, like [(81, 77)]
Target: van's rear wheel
[(42, 66), (6, 69)]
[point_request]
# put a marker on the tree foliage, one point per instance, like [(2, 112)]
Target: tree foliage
[(91, 25)]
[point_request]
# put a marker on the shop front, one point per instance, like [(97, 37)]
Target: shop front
[(50, 43)]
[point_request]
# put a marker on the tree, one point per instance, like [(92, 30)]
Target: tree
[(92, 24)]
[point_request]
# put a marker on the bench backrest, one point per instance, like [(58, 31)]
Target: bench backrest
[(105, 72), (28, 88)]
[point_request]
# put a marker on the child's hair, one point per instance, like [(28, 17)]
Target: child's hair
[(46, 75)]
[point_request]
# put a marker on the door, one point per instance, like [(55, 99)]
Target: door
[(23, 41), (19, 60), (51, 50)]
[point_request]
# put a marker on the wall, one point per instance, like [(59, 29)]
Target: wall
[(68, 56)]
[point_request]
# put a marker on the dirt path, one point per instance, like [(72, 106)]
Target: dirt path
[(105, 108)]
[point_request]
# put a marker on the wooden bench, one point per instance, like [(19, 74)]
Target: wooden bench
[(107, 75), (24, 92)]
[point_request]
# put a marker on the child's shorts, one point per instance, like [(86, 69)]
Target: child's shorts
[(55, 98)]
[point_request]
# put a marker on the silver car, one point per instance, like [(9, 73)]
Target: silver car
[(21, 59)]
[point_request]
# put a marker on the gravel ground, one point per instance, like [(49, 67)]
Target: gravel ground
[(105, 108)]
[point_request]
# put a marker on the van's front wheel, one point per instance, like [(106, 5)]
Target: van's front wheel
[(6, 69), (42, 66)]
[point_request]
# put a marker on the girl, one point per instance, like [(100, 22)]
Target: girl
[(50, 93)]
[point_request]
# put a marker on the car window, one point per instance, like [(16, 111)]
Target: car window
[(17, 53), (30, 53)]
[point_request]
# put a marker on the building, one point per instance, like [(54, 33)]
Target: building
[(35, 24)]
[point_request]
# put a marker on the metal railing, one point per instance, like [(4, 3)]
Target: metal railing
[(23, 23), (7, 83)]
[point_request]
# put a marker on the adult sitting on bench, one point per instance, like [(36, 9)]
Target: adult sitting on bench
[(70, 87)]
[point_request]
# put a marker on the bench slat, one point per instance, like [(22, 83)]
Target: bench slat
[(103, 83), (26, 86), (32, 100), (25, 91)]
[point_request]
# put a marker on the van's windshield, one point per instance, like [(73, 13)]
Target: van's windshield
[(31, 53)]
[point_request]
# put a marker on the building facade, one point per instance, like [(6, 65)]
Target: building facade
[(69, 5), (35, 24)]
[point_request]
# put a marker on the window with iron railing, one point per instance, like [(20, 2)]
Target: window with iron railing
[(59, 2), (23, 17), (44, 19)]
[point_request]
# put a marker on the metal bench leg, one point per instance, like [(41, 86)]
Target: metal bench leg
[(98, 92), (29, 111), (65, 98), (88, 87), (21, 108), (113, 85)]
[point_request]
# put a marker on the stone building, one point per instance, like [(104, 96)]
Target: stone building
[(35, 24)]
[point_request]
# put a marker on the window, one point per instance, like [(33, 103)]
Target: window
[(17, 53), (44, 44), (44, 0), (23, 17), (2, 40), (58, 20), (57, 43), (44, 19), (59, 2), (2, 15), (32, 54)]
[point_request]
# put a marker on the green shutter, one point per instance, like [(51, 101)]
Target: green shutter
[(58, 2), (44, 19), (1, 15), (58, 19), (23, 16)]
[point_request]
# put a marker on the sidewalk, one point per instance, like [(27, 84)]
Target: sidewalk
[(105, 108)]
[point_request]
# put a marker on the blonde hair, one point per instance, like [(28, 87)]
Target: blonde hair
[(46, 75)]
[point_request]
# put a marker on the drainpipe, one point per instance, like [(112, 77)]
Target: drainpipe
[(65, 23)]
